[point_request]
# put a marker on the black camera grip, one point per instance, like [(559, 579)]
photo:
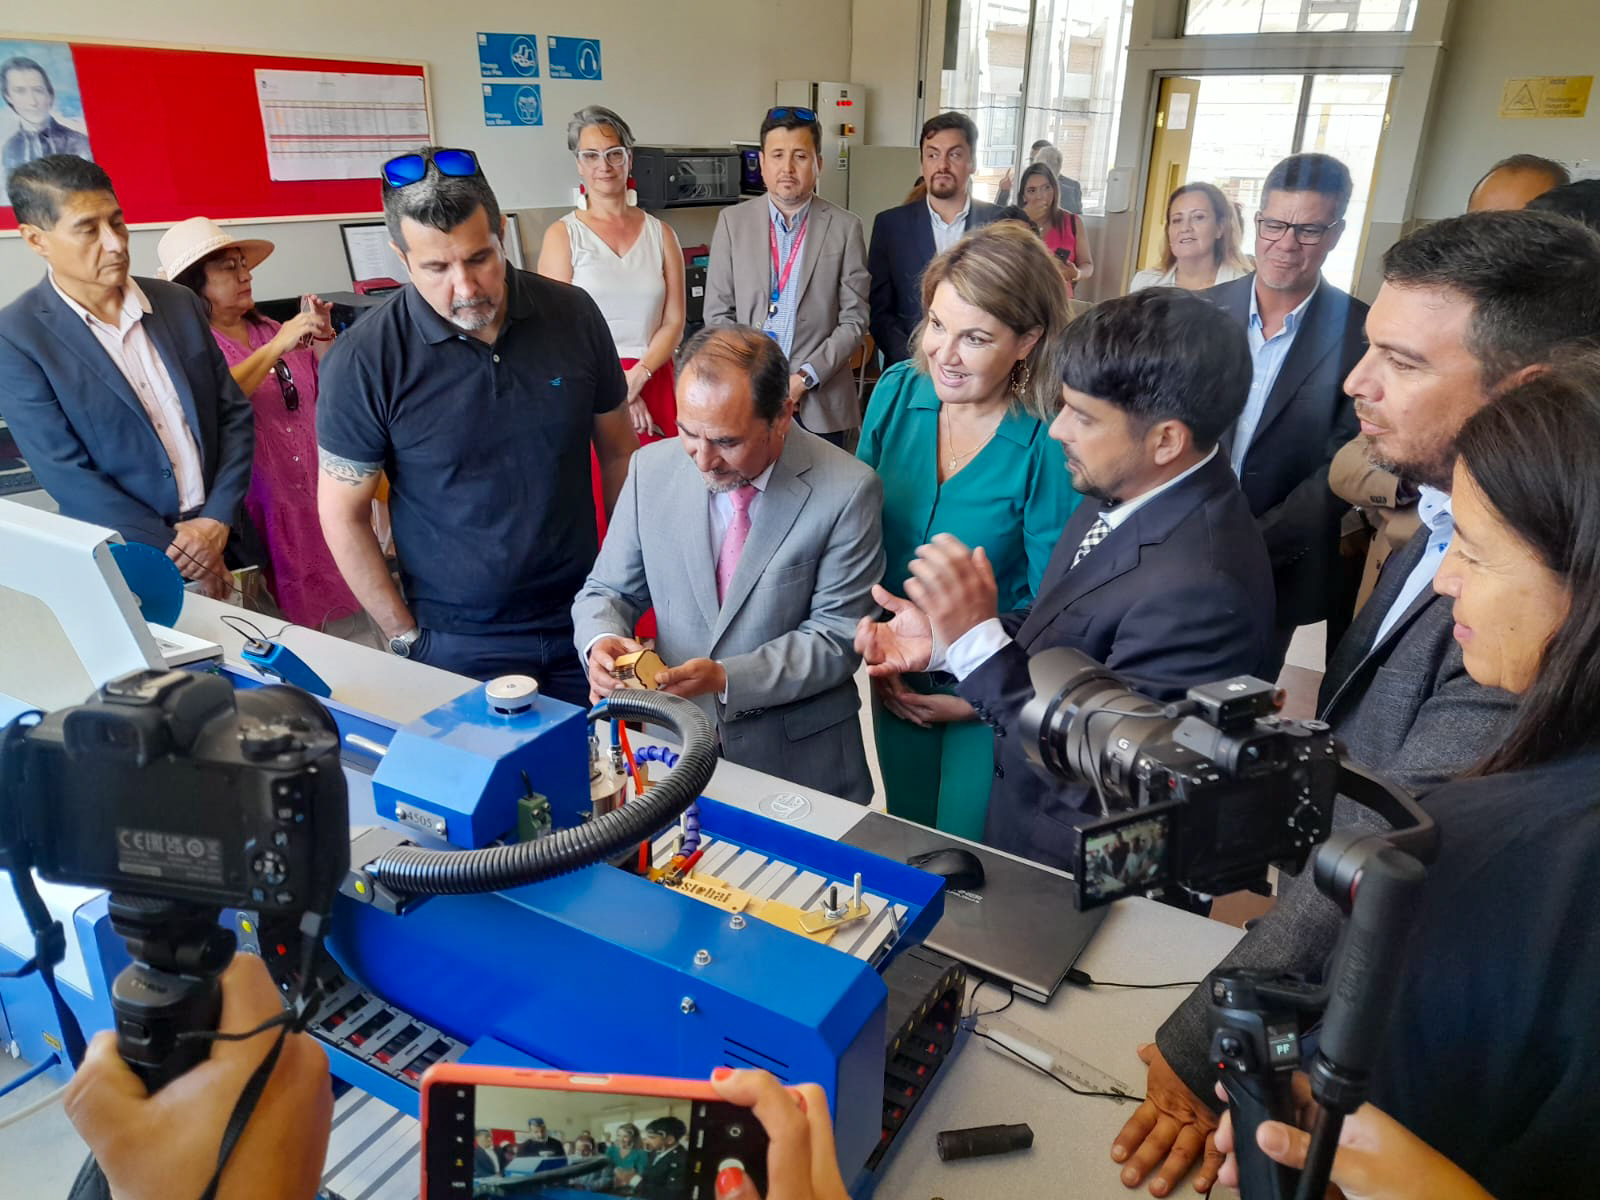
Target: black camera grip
[(151, 1009), (1253, 1100)]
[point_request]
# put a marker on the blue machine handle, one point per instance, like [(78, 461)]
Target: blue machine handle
[(282, 663)]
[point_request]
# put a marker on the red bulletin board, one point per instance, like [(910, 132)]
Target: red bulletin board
[(179, 132)]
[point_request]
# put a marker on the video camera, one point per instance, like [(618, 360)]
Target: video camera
[(181, 797), (1204, 793)]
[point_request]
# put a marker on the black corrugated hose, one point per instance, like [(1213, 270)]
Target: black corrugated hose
[(418, 872)]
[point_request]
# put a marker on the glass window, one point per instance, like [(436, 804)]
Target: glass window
[(986, 84), (1298, 16)]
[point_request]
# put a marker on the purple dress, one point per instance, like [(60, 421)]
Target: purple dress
[(282, 500)]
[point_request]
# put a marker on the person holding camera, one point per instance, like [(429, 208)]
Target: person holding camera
[(1165, 580)]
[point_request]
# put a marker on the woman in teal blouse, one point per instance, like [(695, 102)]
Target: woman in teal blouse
[(959, 435)]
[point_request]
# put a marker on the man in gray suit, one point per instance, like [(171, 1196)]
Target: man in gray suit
[(1468, 306), (795, 267), (758, 544)]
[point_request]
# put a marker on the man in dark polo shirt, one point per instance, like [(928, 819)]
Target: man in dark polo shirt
[(478, 389)]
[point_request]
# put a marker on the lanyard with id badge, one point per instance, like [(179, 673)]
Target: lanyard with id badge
[(780, 275)]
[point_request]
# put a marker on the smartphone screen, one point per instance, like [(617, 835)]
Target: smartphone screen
[(489, 1140)]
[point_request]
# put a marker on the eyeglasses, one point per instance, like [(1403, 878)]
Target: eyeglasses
[(231, 265), (1308, 234), (413, 168), (783, 114), (615, 156), (291, 394)]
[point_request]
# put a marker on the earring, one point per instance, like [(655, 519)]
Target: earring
[(583, 197), (1020, 374), (633, 193)]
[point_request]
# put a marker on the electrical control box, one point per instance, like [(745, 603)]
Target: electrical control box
[(841, 111)]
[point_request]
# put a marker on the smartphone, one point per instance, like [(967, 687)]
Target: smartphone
[(500, 1131)]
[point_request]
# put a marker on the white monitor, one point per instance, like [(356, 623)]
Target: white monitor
[(369, 255)]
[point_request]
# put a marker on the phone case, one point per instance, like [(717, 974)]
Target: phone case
[(538, 1079)]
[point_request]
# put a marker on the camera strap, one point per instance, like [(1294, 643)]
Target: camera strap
[(49, 948), (243, 1108)]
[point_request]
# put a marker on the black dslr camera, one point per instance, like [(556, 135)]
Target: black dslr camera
[(181, 797), (1204, 793)]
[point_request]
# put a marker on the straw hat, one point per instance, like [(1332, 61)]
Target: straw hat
[(187, 242)]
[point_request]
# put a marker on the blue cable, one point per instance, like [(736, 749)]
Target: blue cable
[(691, 815), (29, 1075)]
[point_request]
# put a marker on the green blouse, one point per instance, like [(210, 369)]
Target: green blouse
[(1012, 499)]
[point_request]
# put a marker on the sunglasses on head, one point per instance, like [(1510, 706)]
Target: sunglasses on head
[(413, 168), (784, 113)]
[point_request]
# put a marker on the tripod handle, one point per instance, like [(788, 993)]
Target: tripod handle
[(151, 1009), (1256, 1093)]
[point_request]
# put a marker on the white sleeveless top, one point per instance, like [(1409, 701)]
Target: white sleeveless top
[(631, 291)]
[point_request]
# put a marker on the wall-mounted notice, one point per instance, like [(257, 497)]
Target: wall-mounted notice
[(508, 56), (331, 125), (1546, 96), (573, 58), (512, 104)]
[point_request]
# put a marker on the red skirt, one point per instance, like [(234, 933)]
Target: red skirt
[(660, 397)]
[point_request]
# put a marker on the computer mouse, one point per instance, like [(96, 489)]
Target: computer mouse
[(961, 869)]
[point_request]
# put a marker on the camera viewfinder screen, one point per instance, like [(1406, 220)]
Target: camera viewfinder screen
[(514, 1141), (1126, 859)]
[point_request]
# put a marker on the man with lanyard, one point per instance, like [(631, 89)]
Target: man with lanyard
[(479, 389), (905, 239), (795, 266)]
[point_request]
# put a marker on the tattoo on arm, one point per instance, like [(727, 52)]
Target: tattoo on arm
[(346, 470)]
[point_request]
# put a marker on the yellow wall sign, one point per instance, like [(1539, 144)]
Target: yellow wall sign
[(1546, 96)]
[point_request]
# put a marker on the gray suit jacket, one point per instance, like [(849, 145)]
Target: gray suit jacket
[(1405, 706), (831, 319), (786, 632)]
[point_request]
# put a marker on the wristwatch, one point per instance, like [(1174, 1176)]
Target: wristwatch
[(401, 646)]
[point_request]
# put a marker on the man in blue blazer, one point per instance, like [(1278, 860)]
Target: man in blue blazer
[(1165, 580), (905, 239), (115, 391)]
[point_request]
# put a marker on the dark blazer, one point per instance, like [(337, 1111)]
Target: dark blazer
[(1306, 420), (1179, 595), (86, 436), (1407, 706), (902, 248)]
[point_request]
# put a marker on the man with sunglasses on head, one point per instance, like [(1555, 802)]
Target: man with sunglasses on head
[(795, 267), (115, 392), (479, 389), (1305, 335)]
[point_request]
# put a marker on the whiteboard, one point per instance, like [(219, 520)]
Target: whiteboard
[(367, 250)]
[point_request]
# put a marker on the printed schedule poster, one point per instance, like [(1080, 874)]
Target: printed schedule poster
[(508, 56), (573, 58), (512, 104)]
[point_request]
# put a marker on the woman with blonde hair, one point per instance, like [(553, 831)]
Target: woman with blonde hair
[(1203, 236), (959, 435)]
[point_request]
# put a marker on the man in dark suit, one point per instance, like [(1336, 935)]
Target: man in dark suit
[(665, 1175), (905, 239), (1468, 306), (1305, 335), (539, 1143), (115, 391), (1166, 581), (484, 1159)]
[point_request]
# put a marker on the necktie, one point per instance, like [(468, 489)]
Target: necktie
[(733, 541), (1098, 532)]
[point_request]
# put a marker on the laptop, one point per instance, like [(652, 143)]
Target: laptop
[(1020, 928)]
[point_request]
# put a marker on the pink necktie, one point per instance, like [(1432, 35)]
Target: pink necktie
[(733, 541)]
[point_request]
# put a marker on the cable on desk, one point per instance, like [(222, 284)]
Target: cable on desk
[(1055, 1078), (1083, 979), (968, 1021)]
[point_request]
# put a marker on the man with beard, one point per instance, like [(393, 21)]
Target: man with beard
[(795, 267), (905, 239), (478, 389), (758, 544), (1165, 580)]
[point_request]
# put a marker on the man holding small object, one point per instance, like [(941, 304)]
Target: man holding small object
[(479, 389), (756, 543)]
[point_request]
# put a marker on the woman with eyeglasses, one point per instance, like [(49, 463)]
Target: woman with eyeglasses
[(276, 366), (627, 260), (1062, 231)]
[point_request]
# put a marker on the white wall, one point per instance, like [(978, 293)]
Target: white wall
[(883, 59), (1488, 42), (696, 72)]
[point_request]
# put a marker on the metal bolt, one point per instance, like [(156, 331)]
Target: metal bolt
[(686, 1006), (702, 958), (737, 922)]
